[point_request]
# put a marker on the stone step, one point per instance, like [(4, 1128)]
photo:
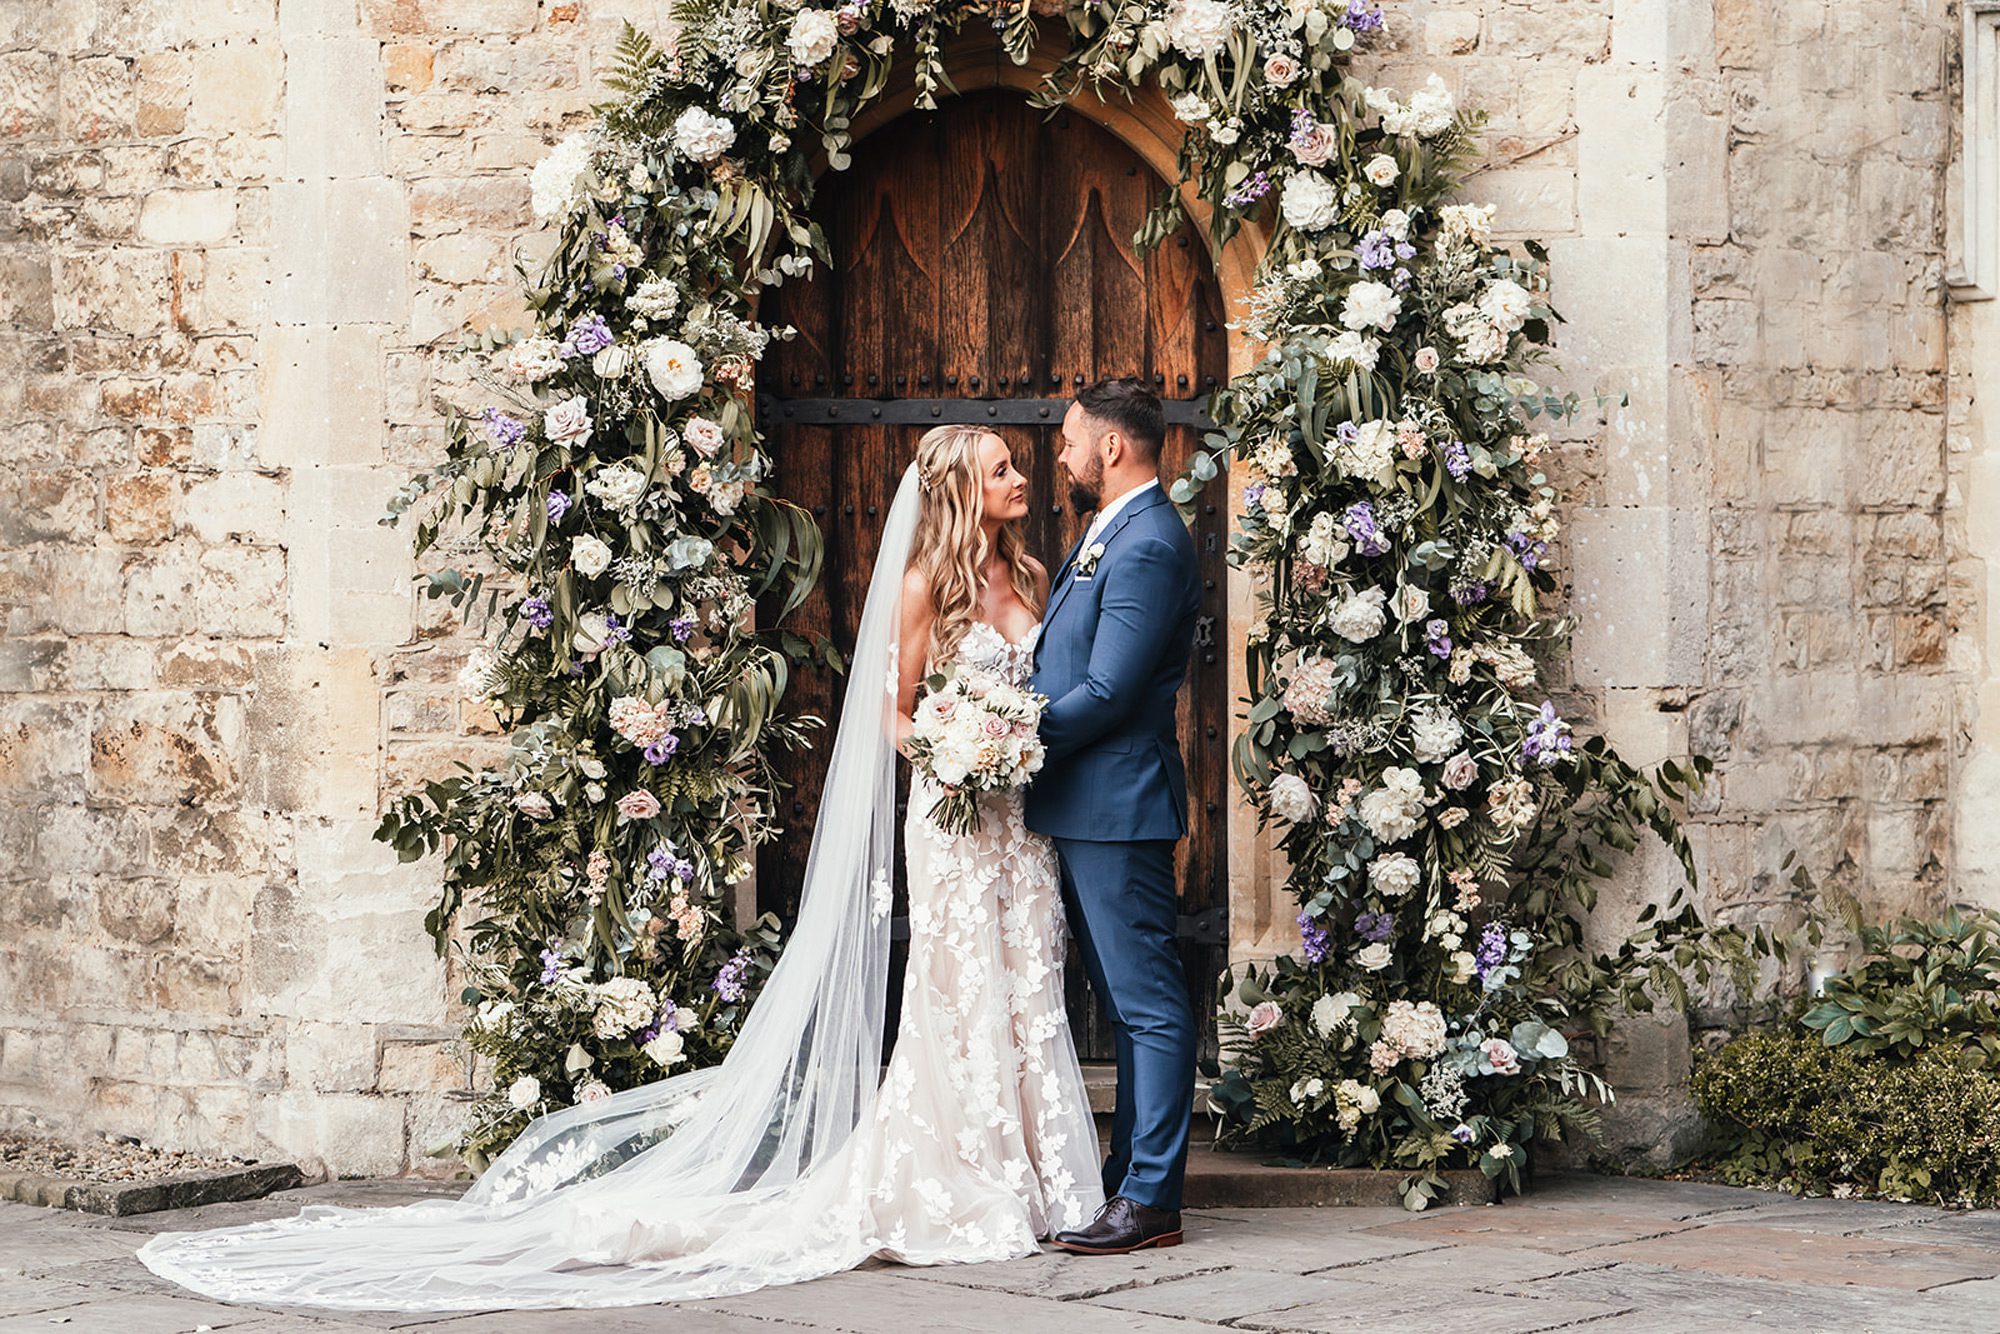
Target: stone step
[(1224, 1178)]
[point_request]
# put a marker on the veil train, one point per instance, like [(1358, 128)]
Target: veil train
[(701, 1184)]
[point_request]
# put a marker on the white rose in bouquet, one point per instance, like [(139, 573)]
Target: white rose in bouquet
[(590, 556)]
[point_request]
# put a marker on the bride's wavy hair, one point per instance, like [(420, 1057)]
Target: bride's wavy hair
[(949, 548)]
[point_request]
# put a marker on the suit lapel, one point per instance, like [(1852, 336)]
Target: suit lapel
[(1132, 511)]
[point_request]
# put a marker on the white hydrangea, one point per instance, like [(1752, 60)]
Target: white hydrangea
[(1371, 453), (1434, 734), (1391, 811), (475, 678), (1471, 223), (654, 299), (702, 135), (1414, 1030), (1395, 874), (619, 487), (1333, 1012), (813, 36), (555, 185), (1370, 305), (1430, 111), (590, 556), (674, 368), (1359, 617), (1291, 800), (624, 1005), (533, 359), (1324, 542), (1199, 29), (1356, 348), (1310, 203)]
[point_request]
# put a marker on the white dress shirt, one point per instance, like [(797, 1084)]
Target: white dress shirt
[(1110, 512)]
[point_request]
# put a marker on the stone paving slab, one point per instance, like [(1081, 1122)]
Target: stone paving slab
[(1595, 1255), (1790, 1255)]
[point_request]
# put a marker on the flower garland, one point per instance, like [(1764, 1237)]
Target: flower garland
[(1442, 824)]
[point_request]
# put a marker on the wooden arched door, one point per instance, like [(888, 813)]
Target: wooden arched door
[(983, 269)]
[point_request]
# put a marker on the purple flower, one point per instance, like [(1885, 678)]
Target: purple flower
[(1526, 549), (615, 633), (647, 1034), (670, 1017), (1491, 951), (1463, 1133), (1437, 637), (551, 966), (538, 613), (728, 982), (1304, 124), (682, 628), (1400, 280), (1254, 187), (659, 862), (1347, 432), (659, 752), (1377, 250), (1359, 521), (1315, 941), (587, 337), (558, 505), (1470, 593), (1253, 494), (1457, 459), (1548, 738), (502, 429), (618, 270), (1362, 17), (1374, 926)]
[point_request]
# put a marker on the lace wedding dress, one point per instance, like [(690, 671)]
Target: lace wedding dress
[(786, 1161)]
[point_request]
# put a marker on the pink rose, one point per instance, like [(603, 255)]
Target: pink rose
[(1427, 359), (1264, 1017), (639, 805), (1317, 148), (997, 727), (1280, 69), (1461, 771), (1500, 1054)]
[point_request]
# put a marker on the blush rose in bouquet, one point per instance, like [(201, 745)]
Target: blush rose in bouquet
[(973, 733)]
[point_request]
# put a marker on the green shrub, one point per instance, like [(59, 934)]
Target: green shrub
[(1797, 1114), (1919, 986)]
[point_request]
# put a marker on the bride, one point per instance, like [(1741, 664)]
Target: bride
[(787, 1161)]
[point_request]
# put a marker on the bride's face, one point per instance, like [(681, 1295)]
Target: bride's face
[(1006, 490)]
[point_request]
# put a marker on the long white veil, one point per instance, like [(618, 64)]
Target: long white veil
[(690, 1186)]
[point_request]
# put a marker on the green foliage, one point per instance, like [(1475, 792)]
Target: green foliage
[(1920, 986), (1801, 1116)]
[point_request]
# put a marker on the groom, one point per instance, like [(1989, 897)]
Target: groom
[(1113, 793)]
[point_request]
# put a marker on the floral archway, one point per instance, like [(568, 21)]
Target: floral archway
[(1441, 827)]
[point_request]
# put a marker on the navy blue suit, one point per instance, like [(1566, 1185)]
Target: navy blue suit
[(1113, 796)]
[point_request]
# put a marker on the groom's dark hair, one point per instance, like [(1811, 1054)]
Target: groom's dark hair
[(1129, 404)]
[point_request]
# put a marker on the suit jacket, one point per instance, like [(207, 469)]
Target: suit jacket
[(1111, 657)]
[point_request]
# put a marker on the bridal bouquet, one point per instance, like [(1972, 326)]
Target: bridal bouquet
[(974, 733)]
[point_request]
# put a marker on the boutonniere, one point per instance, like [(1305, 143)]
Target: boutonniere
[(1086, 560)]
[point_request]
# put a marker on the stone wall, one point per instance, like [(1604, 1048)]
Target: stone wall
[(236, 234)]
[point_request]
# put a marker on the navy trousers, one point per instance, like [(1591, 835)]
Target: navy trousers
[(1122, 912)]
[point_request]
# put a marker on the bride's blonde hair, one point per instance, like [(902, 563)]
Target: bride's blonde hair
[(950, 544)]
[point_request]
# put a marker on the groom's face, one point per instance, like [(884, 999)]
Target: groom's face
[(1082, 458)]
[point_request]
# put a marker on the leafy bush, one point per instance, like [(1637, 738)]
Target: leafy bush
[(1940, 993), (1813, 1119)]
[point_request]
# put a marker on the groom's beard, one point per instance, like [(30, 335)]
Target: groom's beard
[(1086, 493)]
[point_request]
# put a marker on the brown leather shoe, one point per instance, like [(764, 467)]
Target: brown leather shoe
[(1121, 1226)]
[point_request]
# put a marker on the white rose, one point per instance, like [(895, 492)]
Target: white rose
[(592, 1090), (1359, 617), (704, 435), (524, 1092), (1396, 224), (611, 361), (1330, 1012), (1461, 771), (1190, 109), (1395, 874), (703, 135), (1374, 957), (1310, 203), (1427, 360), (1264, 1016), (813, 36), (1381, 170), (592, 631), (1412, 603), (1291, 799), (534, 805), (568, 421), (590, 556), (674, 368), (665, 1049), (1370, 304)]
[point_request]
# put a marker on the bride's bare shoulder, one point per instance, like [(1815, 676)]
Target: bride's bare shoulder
[(916, 592), (1039, 572)]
